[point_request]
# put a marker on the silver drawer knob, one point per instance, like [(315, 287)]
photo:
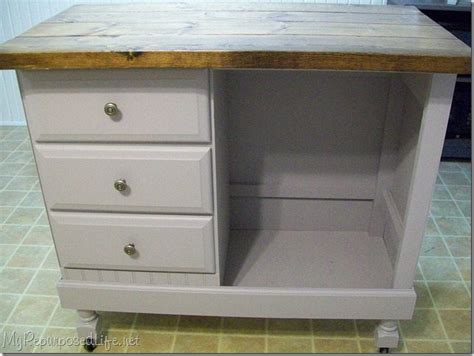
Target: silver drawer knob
[(120, 185), (111, 109), (130, 249)]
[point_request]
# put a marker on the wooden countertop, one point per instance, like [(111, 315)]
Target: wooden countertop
[(239, 35)]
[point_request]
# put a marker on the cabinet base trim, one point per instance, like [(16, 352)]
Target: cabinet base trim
[(240, 301)]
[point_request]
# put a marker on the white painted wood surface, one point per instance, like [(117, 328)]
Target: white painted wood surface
[(162, 105), (162, 243), (307, 259), (160, 179), (241, 301)]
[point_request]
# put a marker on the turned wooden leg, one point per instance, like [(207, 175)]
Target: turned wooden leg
[(89, 328), (386, 335)]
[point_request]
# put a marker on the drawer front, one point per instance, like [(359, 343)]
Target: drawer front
[(158, 179), (153, 105), (160, 243)]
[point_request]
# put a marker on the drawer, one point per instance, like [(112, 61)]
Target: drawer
[(160, 243), (152, 105), (157, 179)]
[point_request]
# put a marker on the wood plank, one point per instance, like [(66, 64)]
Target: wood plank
[(226, 27), (236, 6), (267, 35), (176, 16)]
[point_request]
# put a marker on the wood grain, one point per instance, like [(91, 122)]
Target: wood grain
[(239, 35)]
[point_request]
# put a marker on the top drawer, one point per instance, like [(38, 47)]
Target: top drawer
[(153, 105)]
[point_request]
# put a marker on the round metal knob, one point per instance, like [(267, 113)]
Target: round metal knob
[(120, 185), (130, 249), (111, 109)]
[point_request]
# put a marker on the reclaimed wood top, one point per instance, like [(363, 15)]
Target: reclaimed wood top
[(239, 35)]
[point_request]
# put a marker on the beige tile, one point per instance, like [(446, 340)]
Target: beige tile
[(62, 340), (449, 295), (433, 246), (187, 343), (431, 347), (293, 327), (445, 209), (154, 322), (288, 344), (115, 341), (7, 303), (459, 246), (26, 216), (10, 169), (431, 229), (43, 220), (19, 157), (441, 193), (336, 346), (22, 183), (424, 325), (12, 234), (465, 207), (64, 317), (453, 226), (14, 280), (44, 283), (29, 256), (5, 212), (4, 181), (11, 198), (207, 324), (330, 328), (151, 342), (464, 265), (460, 192), (33, 310), (24, 338), (28, 170), (454, 178), (439, 269), (248, 326), (33, 199), (242, 344), (9, 145), (51, 261), (117, 321), (6, 252), (423, 299), (418, 275), (449, 167), (460, 347), (366, 328), (39, 235), (457, 323)]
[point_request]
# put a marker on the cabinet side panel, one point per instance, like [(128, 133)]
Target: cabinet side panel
[(219, 118), (423, 147)]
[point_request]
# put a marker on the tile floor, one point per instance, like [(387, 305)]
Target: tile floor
[(29, 270)]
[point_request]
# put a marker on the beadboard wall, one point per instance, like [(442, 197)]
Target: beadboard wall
[(16, 16)]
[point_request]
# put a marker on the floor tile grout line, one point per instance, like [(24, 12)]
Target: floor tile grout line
[(437, 314), (48, 323), (132, 330), (175, 334), (443, 239), (31, 280)]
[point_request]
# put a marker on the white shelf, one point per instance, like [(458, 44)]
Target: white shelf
[(307, 259)]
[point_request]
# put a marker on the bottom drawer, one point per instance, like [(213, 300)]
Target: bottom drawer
[(134, 242)]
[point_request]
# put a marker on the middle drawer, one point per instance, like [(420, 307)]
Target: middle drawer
[(126, 178)]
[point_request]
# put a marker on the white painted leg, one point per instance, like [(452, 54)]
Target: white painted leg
[(386, 335), (89, 328)]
